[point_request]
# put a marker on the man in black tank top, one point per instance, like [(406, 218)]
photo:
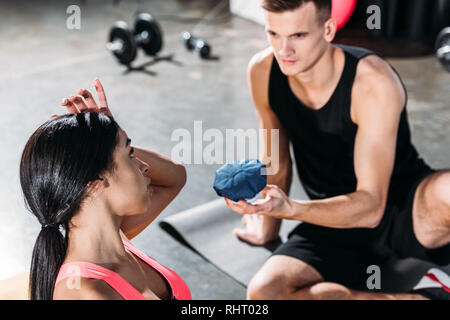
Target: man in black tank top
[(374, 201)]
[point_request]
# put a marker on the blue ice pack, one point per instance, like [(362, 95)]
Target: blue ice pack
[(239, 180)]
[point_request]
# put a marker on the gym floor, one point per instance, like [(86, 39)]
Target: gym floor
[(42, 61)]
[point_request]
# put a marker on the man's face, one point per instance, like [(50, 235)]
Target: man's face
[(297, 39)]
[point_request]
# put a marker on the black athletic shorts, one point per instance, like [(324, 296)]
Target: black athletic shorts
[(344, 255)]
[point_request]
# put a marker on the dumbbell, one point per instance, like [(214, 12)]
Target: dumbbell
[(196, 44), (443, 47), (123, 43)]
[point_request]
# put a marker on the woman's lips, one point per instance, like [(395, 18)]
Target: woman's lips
[(149, 188)]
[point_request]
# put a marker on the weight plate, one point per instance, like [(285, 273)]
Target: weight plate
[(186, 38), (205, 51), (145, 22), (442, 40), (121, 31)]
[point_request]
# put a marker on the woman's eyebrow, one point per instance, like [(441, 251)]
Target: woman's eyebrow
[(128, 142)]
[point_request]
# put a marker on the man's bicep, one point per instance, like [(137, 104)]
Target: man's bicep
[(375, 147), (374, 160)]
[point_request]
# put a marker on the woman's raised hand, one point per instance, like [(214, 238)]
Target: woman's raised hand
[(85, 102)]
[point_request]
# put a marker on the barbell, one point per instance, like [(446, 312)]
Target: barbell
[(196, 44), (123, 42)]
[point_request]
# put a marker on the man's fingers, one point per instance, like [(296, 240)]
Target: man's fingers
[(69, 106), (90, 101), (232, 205), (246, 207), (260, 201), (259, 206), (269, 190), (241, 207)]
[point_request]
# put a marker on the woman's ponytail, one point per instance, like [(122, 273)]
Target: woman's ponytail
[(48, 255)]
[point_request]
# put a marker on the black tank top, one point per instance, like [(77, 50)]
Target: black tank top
[(323, 140)]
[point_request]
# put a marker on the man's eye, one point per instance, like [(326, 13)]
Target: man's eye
[(298, 35), (132, 153)]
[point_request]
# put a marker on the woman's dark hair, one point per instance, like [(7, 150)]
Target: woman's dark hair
[(59, 160), (278, 6)]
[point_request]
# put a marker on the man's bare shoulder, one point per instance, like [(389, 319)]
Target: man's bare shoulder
[(84, 289), (377, 84), (258, 78), (374, 72), (261, 63)]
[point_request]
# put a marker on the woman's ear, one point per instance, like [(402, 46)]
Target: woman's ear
[(98, 183), (103, 180)]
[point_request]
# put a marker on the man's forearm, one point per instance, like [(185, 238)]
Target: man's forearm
[(283, 179), (359, 209)]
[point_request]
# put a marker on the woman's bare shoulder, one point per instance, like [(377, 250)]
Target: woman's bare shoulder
[(77, 288)]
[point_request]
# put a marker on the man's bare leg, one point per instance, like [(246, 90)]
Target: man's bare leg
[(431, 210), (286, 278), (334, 291)]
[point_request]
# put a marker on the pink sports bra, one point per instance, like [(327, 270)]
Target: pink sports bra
[(180, 290)]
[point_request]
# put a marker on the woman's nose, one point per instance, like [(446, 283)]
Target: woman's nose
[(143, 166)]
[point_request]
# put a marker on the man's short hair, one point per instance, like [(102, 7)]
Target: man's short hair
[(278, 6)]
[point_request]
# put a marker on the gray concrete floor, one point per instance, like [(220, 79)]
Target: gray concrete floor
[(42, 61)]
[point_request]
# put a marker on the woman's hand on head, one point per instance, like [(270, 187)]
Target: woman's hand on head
[(85, 102)]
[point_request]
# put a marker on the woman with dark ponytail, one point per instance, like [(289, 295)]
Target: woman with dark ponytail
[(91, 191)]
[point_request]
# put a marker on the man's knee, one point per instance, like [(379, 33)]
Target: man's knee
[(273, 285), (431, 210), (266, 286), (441, 188), (281, 277), (436, 196)]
